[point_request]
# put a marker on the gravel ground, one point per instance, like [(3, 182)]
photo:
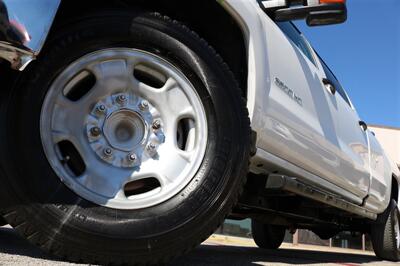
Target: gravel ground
[(216, 251)]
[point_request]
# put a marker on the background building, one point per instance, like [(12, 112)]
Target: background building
[(389, 137)]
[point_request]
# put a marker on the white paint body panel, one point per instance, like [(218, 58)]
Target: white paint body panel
[(321, 137), (353, 143)]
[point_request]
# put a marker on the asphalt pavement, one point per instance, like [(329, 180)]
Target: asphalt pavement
[(215, 251)]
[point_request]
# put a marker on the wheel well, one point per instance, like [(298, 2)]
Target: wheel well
[(8, 77), (208, 19), (395, 189)]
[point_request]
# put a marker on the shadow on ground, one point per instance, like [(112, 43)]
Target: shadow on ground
[(228, 255), (12, 244)]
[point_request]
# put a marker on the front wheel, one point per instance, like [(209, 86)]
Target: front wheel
[(127, 142), (385, 234)]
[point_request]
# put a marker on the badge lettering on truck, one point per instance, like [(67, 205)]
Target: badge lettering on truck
[(288, 91)]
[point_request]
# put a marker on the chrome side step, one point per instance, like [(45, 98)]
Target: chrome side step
[(291, 184)]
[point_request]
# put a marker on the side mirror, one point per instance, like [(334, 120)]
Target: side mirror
[(315, 12), (327, 18)]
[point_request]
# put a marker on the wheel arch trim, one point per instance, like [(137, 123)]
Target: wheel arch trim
[(396, 180), (250, 18)]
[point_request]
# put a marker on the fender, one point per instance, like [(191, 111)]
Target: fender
[(248, 16), (24, 27)]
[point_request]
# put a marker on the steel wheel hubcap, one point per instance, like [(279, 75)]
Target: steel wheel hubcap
[(124, 128)]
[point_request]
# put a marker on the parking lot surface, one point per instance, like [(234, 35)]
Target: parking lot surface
[(217, 250)]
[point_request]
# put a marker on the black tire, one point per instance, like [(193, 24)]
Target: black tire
[(51, 216), (383, 235), (267, 236), (2, 221)]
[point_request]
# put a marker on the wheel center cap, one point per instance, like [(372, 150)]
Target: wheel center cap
[(121, 130), (125, 130)]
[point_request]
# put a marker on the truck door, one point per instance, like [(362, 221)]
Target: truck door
[(352, 136), (299, 125)]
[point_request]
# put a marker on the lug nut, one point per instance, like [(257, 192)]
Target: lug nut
[(95, 131), (156, 125), (101, 108), (144, 105), (121, 99), (108, 152), (132, 157), (151, 147)]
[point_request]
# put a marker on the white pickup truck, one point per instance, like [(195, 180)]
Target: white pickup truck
[(131, 129)]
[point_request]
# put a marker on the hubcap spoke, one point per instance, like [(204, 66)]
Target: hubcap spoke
[(104, 179), (67, 119), (173, 169), (111, 77), (171, 99)]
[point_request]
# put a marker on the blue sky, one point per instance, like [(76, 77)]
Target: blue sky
[(364, 53)]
